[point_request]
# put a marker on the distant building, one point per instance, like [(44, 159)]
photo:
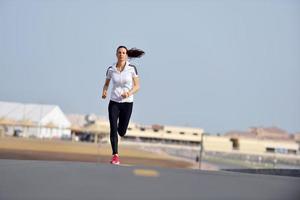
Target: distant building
[(262, 140), (256, 141), (297, 138), (272, 133), (267, 141), (88, 128), (33, 120), (164, 134)]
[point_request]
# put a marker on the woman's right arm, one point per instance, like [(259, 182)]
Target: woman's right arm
[(105, 88)]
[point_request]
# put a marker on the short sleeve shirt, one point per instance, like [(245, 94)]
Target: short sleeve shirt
[(122, 82)]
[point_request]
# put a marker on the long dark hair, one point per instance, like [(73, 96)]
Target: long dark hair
[(133, 52)]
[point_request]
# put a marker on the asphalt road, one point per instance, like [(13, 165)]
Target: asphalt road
[(53, 180)]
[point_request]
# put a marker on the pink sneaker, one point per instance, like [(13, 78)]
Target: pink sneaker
[(115, 160)]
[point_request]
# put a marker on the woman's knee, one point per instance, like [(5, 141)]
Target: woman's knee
[(122, 132)]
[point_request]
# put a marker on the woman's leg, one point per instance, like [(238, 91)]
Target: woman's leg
[(124, 117), (113, 112)]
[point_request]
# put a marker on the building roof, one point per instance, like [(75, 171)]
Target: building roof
[(271, 130), (273, 133)]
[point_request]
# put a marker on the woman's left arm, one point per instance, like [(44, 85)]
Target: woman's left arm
[(136, 86)]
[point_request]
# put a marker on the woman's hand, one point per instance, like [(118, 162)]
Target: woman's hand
[(105, 87), (125, 95), (104, 94)]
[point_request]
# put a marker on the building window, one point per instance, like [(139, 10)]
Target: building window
[(235, 143), (292, 151), (181, 133), (195, 133), (169, 131), (270, 150)]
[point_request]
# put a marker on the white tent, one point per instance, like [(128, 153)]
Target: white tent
[(43, 121)]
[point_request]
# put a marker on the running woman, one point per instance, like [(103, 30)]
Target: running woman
[(125, 81)]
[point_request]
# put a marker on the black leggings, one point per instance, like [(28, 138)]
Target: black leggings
[(121, 112)]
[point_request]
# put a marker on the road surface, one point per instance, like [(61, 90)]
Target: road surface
[(60, 180)]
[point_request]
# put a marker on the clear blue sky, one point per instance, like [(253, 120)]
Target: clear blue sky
[(213, 64)]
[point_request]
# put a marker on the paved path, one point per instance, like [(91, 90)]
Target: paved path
[(53, 180)]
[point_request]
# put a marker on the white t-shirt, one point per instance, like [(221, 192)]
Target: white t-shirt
[(122, 81)]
